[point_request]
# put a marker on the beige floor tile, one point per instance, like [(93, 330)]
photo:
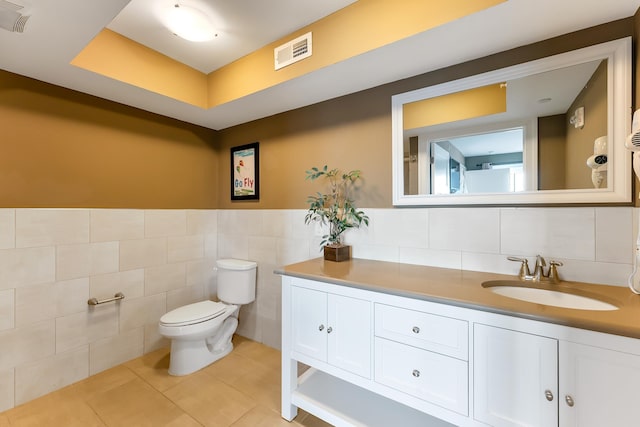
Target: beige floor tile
[(184, 420), (136, 403), (232, 367), (257, 352), (262, 384), (54, 409), (209, 400), (240, 390), (154, 369), (100, 383), (261, 417)]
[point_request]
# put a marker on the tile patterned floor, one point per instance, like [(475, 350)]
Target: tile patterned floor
[(240, 390)]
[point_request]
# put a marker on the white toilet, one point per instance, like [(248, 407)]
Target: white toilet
[(201, 333)]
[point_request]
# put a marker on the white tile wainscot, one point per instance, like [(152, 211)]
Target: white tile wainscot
[(379, 359), (53, 260)]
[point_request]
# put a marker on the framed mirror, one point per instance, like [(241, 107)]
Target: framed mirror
[(550, 131)]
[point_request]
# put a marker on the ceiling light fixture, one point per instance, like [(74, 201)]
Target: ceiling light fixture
[(190, 23)]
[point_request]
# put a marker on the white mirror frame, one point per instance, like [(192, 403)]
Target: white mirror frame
[(618, 54)]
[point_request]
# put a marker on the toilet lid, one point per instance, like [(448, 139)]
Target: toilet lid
[(193, 313)]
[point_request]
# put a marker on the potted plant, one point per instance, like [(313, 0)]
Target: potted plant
[(336, 209)]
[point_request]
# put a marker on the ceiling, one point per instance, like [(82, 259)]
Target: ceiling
[(242, 27), (58, 30)]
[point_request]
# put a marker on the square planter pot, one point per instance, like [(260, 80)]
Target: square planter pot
[(337, 253)]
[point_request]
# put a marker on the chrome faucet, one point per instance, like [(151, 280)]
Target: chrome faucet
[(538, 274)]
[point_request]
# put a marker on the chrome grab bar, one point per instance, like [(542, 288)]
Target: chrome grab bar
[(116, 297)]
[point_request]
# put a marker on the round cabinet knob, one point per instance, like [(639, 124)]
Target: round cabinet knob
[(569, 400), (415, 373), (416, 330), (329, 329), (548, 395), (321, 328)]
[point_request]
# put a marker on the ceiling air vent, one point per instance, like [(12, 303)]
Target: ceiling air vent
[(12, 17), (293, 51)]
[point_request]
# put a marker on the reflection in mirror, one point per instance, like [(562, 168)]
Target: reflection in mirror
[(479, 163), (548, 101), (538, 130)]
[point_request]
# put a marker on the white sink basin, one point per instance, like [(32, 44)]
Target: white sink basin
[(521, 291)]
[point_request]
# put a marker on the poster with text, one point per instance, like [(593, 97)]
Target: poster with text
[(244, 172)]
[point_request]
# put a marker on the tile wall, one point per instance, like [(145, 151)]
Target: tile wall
[(53, 260)]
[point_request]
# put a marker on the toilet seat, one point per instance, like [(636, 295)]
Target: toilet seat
[(193, 313)]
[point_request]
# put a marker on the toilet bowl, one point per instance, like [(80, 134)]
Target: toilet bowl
[(201, 332)]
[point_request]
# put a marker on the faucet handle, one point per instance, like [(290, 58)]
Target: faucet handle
[(524, 266), (553, 271)]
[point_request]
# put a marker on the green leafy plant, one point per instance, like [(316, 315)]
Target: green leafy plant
[(334, 208)]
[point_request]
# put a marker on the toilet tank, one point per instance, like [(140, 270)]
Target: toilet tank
[(236, 281)]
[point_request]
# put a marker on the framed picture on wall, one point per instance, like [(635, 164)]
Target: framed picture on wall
[(245, 176)]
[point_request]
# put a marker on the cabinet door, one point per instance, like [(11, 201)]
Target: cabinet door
[(309, 322), (349, 334), (515, 378), (598, 387)]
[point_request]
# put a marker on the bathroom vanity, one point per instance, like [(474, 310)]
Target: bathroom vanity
[(398, 344)]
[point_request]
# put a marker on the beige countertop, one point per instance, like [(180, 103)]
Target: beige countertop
[(463, 288)]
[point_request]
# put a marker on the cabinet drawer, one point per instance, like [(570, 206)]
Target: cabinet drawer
[(441, 380), (441, 334)]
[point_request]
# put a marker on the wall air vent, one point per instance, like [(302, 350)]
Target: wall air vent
[(12, 17), (293, 51)]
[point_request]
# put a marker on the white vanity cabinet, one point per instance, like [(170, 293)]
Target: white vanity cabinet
[(381, 359), (398, 369), (332, 328), (526, 379)]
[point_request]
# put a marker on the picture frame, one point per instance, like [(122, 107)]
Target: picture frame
[(245, 172)]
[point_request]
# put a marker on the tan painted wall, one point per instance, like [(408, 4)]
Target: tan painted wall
[(580, 140), (120, 58), (354, 132), (552, 151), (65, 149), (60, 148), (348, 133), (466, 104)]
